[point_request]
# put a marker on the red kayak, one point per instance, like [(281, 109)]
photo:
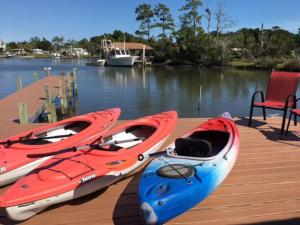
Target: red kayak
[(14, 162), (92, 165)]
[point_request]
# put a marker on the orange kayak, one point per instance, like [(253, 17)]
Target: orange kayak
[(14, 162), (93, 165)]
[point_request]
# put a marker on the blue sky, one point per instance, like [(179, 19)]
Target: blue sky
[(76, 19)]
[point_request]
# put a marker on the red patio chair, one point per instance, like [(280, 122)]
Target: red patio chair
[(295, 112), (281, 95)]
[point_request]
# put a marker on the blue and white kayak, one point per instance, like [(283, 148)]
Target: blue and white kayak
[(188, 171)]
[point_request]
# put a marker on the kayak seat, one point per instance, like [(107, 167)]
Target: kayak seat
[(217, 139), (193, 147), (77, 126)]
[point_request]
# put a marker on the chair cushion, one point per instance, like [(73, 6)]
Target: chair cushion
[(296, 111), (270, 104)]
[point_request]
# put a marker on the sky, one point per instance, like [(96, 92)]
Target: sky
[(77, 19)]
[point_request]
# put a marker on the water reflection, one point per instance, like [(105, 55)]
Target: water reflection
[(142, 91)]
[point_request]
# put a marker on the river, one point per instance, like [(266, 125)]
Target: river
[(192, 91)]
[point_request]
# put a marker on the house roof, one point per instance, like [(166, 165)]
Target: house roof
[(131, 45)]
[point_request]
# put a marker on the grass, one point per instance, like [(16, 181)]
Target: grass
[(286, 64)]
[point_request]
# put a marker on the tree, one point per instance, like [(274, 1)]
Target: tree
[(223, 21), (145, 15), (278, 42), (208, 17), (45, 45), (166, 22), (297, 38), (11, 46), (70, 43), (57, 42), (191, 17)]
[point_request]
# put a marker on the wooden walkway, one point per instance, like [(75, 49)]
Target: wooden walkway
[(263, 187), (34, 96)]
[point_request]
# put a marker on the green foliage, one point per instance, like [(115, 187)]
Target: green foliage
[(11, 46), (164, 49), (164, 17), (57, 42), (145, 15), (267, 63), (291, 65), (191, 16), (247, 47)]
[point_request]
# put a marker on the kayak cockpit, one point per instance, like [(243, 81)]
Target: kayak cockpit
[(63, 130), (202, 144), (135, 135)]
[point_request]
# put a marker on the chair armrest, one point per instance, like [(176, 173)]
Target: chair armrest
[(254, 95), (294, 101)]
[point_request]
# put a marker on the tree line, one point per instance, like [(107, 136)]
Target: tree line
[(189, 42)]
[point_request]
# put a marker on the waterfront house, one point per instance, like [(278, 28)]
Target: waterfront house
[(2, 46), (79, 52), (74, 52), (37, 51), (19, 51)]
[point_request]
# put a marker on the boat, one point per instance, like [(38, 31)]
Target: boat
[(99, 62), (188, 171), (116, 56), (94, 164), (14, 162)]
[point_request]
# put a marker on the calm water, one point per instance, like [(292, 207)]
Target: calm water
[(140, 92)]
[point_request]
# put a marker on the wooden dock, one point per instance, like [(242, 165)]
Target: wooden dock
[(263, 187), (34, 96)]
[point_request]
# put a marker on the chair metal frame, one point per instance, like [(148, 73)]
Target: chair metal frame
[(290, 117)]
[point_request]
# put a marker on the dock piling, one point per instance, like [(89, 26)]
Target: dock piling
[(75, 86), (52, 117), (200, 98), (62, 95), (69, 85), (47, 95), (36, 76), (47, 69), (19, 83), (23, 113)]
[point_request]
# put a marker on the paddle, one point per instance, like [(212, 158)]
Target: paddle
[(75, 149), (142, 157), (22, 140)]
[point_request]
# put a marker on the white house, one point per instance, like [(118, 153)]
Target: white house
[(2, 46), (37, 51), (79, 52)]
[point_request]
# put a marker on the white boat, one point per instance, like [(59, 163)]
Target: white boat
[(99, 62), (116, 56)]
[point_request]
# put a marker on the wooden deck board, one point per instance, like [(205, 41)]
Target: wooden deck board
[(263, 187)]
